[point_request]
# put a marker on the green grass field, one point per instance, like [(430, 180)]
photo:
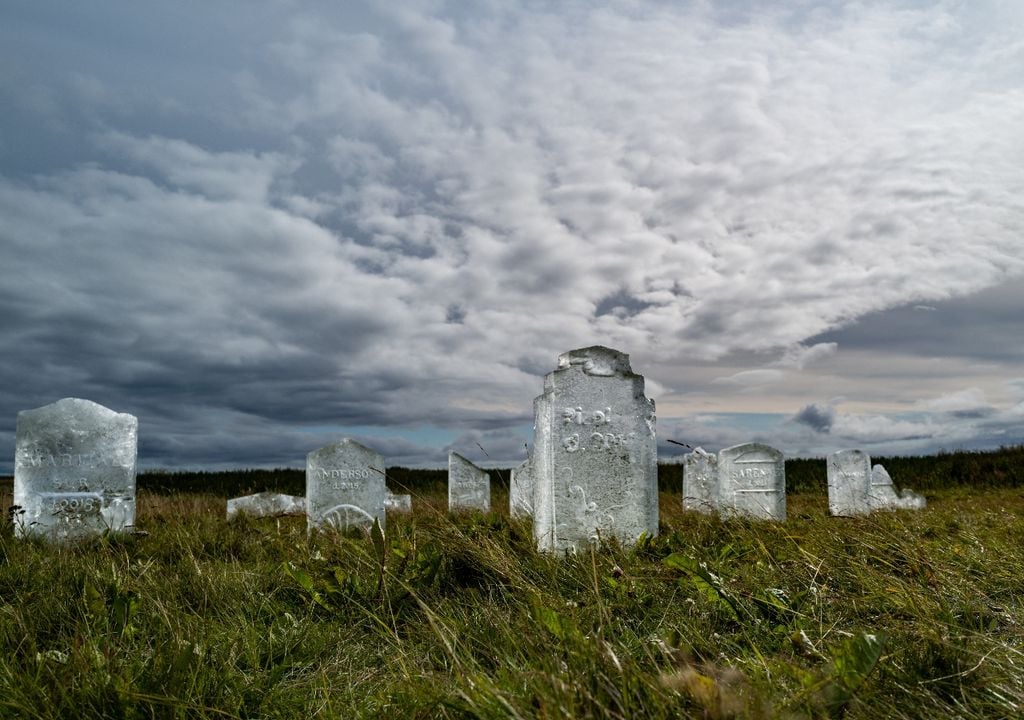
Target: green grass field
[(902, 615)]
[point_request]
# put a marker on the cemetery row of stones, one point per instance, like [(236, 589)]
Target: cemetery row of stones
[(590, 475)]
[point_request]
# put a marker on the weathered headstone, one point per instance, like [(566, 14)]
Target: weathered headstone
[(74, 470), (398, 503), (345, 486), (857, 488), (520, 491), (849, 483), (752, 481), (469, 487), (266, 504), (884, 495), (700, 481), (594, 461)]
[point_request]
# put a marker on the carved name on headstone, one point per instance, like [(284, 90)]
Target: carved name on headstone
[(752, 481), (594, 462), (345, 486), (74, 470)]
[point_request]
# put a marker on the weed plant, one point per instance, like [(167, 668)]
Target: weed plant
[(896, 615)]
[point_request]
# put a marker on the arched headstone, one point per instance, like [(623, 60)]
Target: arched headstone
[(74, 470)]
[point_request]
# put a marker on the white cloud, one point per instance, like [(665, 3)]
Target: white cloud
[(751, 378), (800, 356), (406, 215)]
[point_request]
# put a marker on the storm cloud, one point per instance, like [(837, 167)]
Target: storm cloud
[(258, 226)]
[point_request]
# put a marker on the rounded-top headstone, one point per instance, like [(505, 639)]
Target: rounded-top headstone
[(849, 483), (345, 486), (752, 481), (74, 469)]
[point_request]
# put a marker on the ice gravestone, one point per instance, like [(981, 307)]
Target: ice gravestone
[(700, 481), (857, 488), (752, 481), (594, 461), (266, 504), (345, 486), (469, 487), (883, 493), (849, 483), (520, 491), (398, 503), (74, 470)]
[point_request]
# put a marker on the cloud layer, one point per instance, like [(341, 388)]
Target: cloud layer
[(252, 232)]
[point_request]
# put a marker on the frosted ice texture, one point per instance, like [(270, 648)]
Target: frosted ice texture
[(884, 495), (752, 481), (594, 461), (700, 481), (398, 503), (345, 486), (520, 491), (267, 504), (857, 488), (849, 483), (469, 487), (74, 470)]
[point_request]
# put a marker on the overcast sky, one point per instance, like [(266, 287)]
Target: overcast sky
[(263, 226)]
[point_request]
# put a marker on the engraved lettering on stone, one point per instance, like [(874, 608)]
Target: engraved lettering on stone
[(74, 470), (752, 481), (345, 486), (594, 424)]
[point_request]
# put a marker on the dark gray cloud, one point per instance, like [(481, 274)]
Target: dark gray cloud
[(817, 417), (254, 225)]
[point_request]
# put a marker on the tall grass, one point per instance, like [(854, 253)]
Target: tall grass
[(905, 615)]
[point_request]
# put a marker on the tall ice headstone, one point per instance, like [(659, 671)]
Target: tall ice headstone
[(849, 483), (594, 462), (700, 481), (74, 470), (345, 486), (469, 487), (752, 481)]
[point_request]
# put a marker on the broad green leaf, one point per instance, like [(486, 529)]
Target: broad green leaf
[(707, 583)]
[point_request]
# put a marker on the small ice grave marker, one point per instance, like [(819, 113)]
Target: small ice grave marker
[(700, 481), (74, 470), (849, 483), (469, 487), (345, 486), (520, 491), (752, 481), (398, 503), (266, 504), (883, 493), (594, 461), (857, 488)]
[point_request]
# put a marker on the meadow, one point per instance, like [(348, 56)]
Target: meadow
[(900, 614)]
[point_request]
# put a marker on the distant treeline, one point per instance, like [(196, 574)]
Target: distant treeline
[(996, 468)]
